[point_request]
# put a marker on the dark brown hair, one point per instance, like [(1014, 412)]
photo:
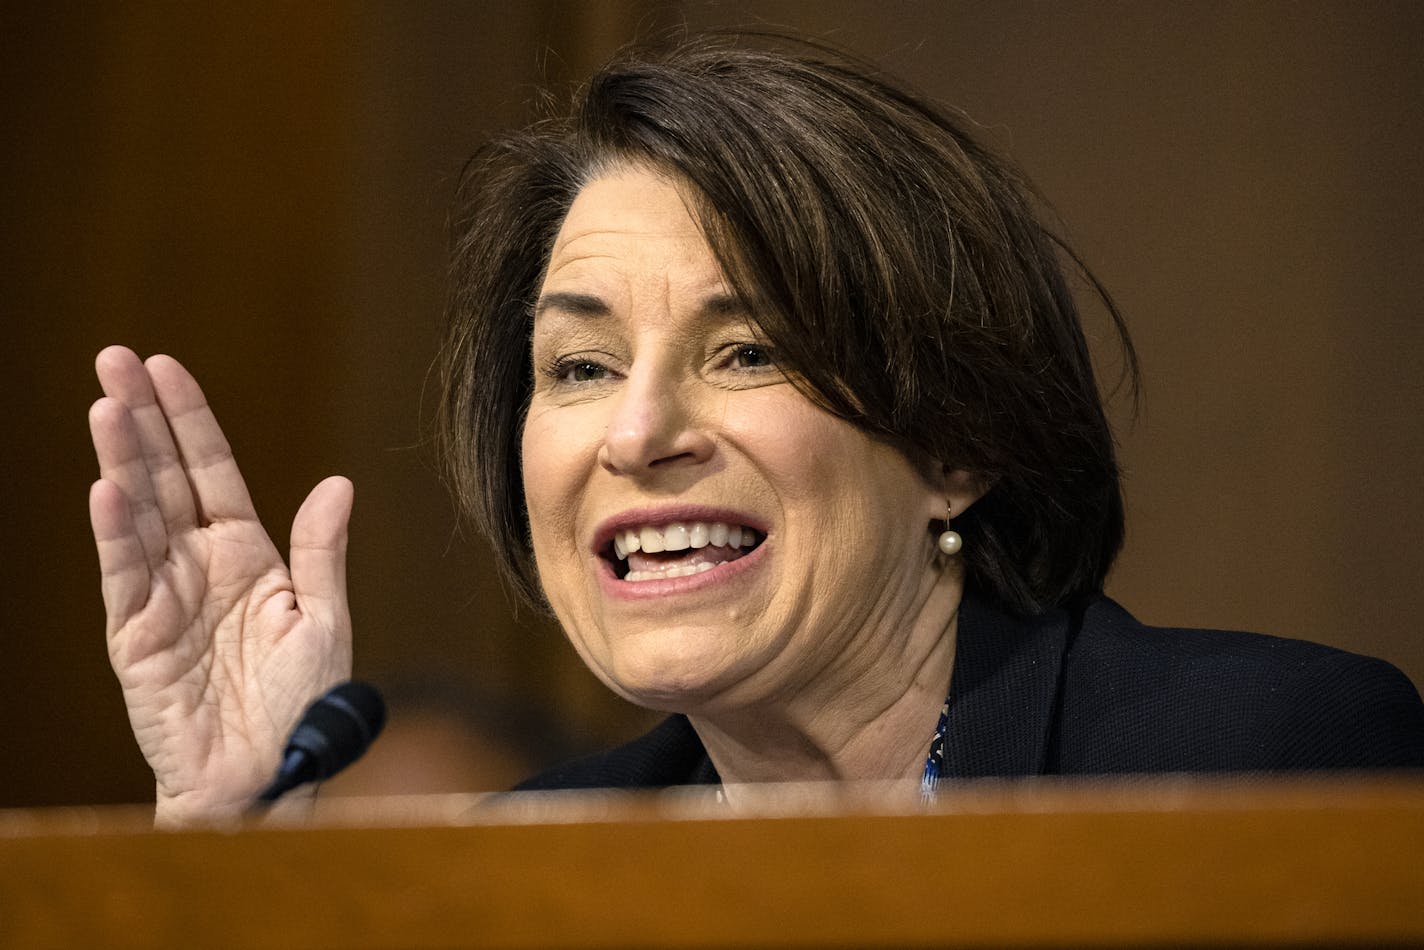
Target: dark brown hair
[(899, 269)]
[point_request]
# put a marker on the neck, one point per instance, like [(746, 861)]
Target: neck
[(875, 725)]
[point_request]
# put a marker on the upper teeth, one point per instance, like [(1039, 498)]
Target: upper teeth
[(680, 536)]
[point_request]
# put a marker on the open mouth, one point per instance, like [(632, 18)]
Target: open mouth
[(656, 552)]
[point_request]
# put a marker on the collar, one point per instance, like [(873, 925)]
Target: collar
[(1004, 690), (1003, 694)]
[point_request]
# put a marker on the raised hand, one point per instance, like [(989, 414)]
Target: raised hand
[(217, 644)]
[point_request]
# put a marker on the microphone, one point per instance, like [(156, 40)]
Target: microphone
[(333, 732)]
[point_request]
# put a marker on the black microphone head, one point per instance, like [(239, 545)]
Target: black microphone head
[(338, 728)]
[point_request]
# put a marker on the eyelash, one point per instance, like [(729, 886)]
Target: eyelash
[(735, 350), (559, 370)]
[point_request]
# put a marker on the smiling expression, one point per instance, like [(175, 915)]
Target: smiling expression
[(703, 532)]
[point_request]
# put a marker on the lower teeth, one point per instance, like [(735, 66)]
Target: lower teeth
[(674, 571)]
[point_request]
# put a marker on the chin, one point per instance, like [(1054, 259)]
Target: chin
[(673, 671)]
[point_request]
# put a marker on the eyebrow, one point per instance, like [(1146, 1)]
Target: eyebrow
[(581, 305), (591, 305)]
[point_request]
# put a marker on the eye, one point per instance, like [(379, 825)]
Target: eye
[(581, 371), (750, 356), (575, 370)]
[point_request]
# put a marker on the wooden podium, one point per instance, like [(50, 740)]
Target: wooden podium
[(1146, 862)]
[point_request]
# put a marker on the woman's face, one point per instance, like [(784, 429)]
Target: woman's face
[(705, 535)]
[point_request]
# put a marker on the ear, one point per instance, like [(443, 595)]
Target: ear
[(958, 490)]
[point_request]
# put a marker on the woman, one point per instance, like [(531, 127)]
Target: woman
[(765, 379)]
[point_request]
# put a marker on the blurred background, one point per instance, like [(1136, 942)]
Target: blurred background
[(260, 189)]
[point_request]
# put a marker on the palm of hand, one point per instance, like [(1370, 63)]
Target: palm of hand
[(218, 646)]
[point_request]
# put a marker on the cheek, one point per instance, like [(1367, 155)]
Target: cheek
[(535, 464), (554, 473), (813, 457), (847, 494)]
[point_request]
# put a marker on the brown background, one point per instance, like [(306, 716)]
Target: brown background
[(261, 192)]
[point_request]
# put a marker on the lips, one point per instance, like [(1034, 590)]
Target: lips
[(658, 551)]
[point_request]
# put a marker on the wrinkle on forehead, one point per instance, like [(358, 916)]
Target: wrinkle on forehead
[(674, 226), (649, 217), (624, 226)]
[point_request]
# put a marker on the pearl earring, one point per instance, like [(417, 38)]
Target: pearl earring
[(949, 540)]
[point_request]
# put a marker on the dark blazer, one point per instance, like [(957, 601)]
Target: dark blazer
[(1093, 691)]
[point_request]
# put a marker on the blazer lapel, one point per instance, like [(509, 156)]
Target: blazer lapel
[(1004, 691)]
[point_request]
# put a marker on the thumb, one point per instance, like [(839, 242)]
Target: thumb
[(318, 558)]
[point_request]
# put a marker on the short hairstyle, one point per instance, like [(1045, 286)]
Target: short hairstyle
[(897, 266)]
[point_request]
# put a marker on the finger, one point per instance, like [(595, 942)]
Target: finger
[(123, 563), (124, 378), (318, 557), (121, 463), (217, 485)]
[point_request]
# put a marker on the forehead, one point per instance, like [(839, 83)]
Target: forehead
[(626, 217)]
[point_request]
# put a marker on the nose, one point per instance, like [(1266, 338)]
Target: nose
[(657, 423)]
